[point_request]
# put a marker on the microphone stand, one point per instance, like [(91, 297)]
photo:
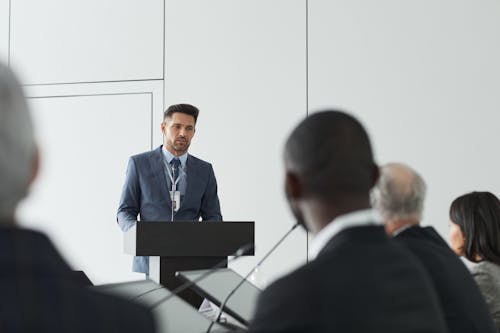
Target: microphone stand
[(240, 252), (248, 274)]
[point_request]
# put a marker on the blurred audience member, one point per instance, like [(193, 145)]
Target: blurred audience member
[(358, 279), (38, 291), (475, 234), (399, 197)]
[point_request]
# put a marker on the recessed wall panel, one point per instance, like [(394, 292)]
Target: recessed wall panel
[(85, 142), (58, 41)]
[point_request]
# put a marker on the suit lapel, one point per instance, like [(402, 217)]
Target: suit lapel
[(158, 169), (189, 178)]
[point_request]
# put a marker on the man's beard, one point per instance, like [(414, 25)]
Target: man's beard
[(179, 148)]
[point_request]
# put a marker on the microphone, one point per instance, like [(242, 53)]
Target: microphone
[(250, 273), (243, 250)]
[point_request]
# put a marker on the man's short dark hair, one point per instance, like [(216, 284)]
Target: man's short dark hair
[(188, 109), (331, 154)]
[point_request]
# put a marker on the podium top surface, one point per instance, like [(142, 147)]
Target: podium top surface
[(188, 238)]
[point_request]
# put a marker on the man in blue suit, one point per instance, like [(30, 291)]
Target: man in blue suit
[(168, 184)]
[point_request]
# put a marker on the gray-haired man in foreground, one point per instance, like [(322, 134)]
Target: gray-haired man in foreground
[(38, 291), (399, 197)]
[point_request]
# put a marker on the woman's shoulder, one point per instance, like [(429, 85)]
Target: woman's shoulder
[(486, 272), (486, 266)]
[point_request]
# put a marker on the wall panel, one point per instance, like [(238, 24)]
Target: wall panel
[(57, 41), (424, 76), (243, 64), (85, 141)]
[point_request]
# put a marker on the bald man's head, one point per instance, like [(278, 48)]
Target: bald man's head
[(399, 193)]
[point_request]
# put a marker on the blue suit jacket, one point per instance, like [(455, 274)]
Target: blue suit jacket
[(146, 194)]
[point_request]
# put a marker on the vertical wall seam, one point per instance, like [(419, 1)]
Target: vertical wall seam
[(8, 37), (152, 107), (163, 41), (163, 93), (307, 57), (307, 98)]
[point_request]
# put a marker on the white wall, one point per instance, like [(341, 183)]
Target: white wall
[(58, 41), (94, 75), (4, 30), (245, 69), (75, 198), (86, 134), (422, 75)]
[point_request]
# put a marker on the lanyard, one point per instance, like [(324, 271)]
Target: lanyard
[(171, 176)]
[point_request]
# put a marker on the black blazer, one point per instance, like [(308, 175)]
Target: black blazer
[(360, 282), (463, 305), (39, 294)]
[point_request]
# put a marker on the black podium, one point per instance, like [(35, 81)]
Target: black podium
[(180, 246)]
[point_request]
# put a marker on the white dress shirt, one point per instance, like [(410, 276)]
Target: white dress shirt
[(349, 220), (401, 229)]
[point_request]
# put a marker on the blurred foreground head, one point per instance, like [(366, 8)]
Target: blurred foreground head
[(17, 145), (330, 168)]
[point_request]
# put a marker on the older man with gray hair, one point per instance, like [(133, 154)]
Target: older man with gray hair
[(399, 197), (38, 291)]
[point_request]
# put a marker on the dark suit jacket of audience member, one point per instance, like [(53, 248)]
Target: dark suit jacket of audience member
[(360, 282), (463, 305), (38, 293)]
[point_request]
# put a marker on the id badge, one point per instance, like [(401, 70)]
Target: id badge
[(176, 202)]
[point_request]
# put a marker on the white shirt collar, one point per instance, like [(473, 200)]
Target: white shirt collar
[(169, 156), (349, 220), (401, 229)]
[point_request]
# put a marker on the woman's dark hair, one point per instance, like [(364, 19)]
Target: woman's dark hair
[(478, 216)]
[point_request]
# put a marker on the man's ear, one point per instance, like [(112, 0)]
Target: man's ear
[(163, 126), (375, 175), (293, 187)]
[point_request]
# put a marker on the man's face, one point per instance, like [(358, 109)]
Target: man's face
[(178, 132)]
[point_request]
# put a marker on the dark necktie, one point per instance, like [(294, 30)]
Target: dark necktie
[(176, 164)]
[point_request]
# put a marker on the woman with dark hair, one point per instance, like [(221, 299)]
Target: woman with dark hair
[(475, 234)]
